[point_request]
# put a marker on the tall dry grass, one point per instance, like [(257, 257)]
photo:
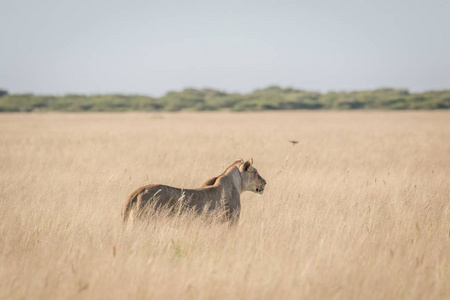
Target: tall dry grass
[(358, 209)]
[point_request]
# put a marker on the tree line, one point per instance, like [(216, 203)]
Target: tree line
[(270, 98)]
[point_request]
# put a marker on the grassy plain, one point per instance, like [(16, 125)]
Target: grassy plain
[(358, 209)]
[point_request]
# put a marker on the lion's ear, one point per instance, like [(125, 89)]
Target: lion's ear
[(248, 165)]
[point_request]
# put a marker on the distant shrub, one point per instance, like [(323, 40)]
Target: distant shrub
[(270, 98), (3, 93)]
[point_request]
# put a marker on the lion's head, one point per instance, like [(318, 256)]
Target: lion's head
[(251, 180)]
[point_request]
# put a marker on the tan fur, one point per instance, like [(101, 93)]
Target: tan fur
[(221, 192), (211, 181)]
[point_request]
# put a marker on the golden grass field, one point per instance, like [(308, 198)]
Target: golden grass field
[(358, 209)]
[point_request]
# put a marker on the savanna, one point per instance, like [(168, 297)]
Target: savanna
[(357, 209)]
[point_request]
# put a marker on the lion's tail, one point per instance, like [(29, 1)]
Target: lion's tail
[(129, 206)]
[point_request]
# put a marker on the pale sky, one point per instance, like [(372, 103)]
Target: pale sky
[(151, 47)]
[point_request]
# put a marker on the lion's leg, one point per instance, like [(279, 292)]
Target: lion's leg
[(148, 200), (234, 219), (141, 204)]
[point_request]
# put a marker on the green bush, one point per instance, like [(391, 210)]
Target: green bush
[(270, 98)]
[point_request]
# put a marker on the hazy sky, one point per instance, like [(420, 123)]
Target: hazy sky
[(151, 47)]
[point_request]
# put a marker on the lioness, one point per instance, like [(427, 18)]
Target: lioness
[(222, 191)]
